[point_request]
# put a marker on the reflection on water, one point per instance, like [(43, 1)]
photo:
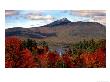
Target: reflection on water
[(59, 49)]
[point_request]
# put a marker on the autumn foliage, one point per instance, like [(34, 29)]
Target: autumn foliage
[(30, 54), (15, 56)]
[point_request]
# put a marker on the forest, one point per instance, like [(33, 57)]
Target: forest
[(32, 54)]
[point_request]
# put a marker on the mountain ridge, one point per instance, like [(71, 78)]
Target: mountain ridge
[(61, 31), (62, 21)]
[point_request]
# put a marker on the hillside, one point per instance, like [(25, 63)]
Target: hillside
[(61, 31)]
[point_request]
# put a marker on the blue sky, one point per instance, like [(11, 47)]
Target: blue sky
[(29, 18)]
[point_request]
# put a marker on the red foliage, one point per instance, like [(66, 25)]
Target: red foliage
[(16, 57), (12, 51), (68, 61), (9, 63), (52, 59), (101, 58), (27, 59), (88, 59), (12, 45), (96, 59), (43, 60)]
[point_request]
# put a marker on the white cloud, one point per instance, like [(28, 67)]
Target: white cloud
[(88, 13), (10, 12), (94, 15), (38, 16), (31, 18), (100, 19)]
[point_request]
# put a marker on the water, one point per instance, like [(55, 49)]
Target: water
[(59, 50)]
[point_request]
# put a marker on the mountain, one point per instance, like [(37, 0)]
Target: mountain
[(26, 32), (62, 21), (61, 31)]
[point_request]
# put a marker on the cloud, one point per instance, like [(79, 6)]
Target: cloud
[(38, 16), (94, 15), (27, 18), (11, 12), (88, 13), (100, 19)]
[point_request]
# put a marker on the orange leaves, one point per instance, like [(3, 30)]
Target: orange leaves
[(96, 59), (9, 63), (31, 55), (101, 58), (15, 56), (43, 60), (27, 59), (12, 45), (68, 61), (12, 51), (54, 60), (88, 60)]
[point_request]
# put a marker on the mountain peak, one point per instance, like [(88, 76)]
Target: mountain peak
[(62, 21)]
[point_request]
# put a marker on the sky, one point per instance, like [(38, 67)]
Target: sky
[(36, 18)]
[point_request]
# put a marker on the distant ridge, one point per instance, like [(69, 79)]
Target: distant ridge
[(61, 30)]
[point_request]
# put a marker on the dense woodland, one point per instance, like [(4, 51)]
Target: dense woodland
[(32, 54)]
